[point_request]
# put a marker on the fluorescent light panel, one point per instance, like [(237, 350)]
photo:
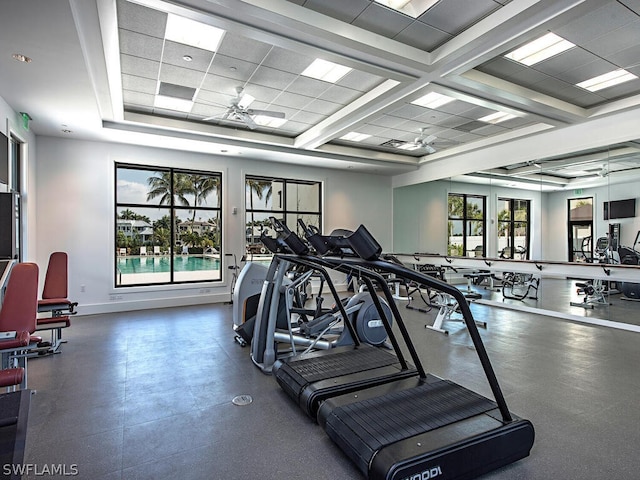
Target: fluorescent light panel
[(266, 121), (497, 117), (432, 100), (325, 70), (355, 136), (413, 8), (173, 103), (189, 32), (607, 80), (544, 47)]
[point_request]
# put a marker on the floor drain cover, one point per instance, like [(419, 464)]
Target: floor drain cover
[(242, 400)]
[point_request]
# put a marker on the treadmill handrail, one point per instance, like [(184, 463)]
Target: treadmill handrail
[(408, 274)]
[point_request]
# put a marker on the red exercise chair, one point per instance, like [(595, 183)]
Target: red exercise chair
[(18, 316), (54, 299)]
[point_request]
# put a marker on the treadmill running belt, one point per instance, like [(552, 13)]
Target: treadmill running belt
[(350, 361), (381, 421)]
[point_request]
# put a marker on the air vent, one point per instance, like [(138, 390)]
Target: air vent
[(392, 143), (176, 91)]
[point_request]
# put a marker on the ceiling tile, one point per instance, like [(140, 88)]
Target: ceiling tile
[(234, 68), (270, 77), (382, 20), (322, 106), (137, 98), (501, 67), (262, 93), (572, 58), (139, 84), (361, 81), (293, 100), (137, 18), (587, 71), (627, 58), (287, 61), (599, 22), (244, 48), (307, 117), (174, 54), (342, 95), (142, 46), (423, 36), (180, 76), (308, 86), (454, 16), (140, 67), (345, 11), (632, 4), (627, 36)]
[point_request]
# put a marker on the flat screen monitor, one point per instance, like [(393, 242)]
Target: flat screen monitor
[(620, 209)]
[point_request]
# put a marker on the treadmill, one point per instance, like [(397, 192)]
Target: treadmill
[(425, 426), (420, 426)]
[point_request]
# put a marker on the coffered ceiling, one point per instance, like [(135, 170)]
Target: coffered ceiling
[(145, 80)]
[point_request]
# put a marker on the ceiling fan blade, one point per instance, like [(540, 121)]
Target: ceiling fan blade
[(430, 149), (246, 118), (266, 113)]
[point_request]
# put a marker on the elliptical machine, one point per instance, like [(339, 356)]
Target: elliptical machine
[(283, 326)]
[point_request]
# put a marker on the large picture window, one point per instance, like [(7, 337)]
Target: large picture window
[(168, 226), (466, 225), (513, 228), (286, 199)]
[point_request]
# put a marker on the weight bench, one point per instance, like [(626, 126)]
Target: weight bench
[(54, 301)]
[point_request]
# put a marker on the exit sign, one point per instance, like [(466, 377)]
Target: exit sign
[(577, 191)]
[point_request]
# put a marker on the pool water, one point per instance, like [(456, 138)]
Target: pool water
[(161, 264)]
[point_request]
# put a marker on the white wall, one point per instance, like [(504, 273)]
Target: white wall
[(75, 213), (420, 216)]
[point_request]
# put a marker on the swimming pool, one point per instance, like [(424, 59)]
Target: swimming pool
[(161, 264)]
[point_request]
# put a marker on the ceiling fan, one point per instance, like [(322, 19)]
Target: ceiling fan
[(424, 141), (239, 111)]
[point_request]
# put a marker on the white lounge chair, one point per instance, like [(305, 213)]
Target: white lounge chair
[(143, 250), (156, 250), (122, 252)]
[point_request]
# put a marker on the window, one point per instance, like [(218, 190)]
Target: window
[(287, 200), (580, 229), (513, 228), (466, 225), (168, 226)]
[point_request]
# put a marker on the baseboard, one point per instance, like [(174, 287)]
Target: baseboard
[(128, 306)]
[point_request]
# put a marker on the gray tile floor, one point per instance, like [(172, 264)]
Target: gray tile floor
[(148, 395)]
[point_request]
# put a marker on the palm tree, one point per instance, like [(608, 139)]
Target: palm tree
[(202, 186), (161, 187), (127, 214), (257, 188)]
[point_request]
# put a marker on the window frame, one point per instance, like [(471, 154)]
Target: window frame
[(284, 211), (466, 219), (512, 223), (173, 209)]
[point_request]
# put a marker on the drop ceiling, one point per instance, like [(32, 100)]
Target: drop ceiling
[(123, 60)]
